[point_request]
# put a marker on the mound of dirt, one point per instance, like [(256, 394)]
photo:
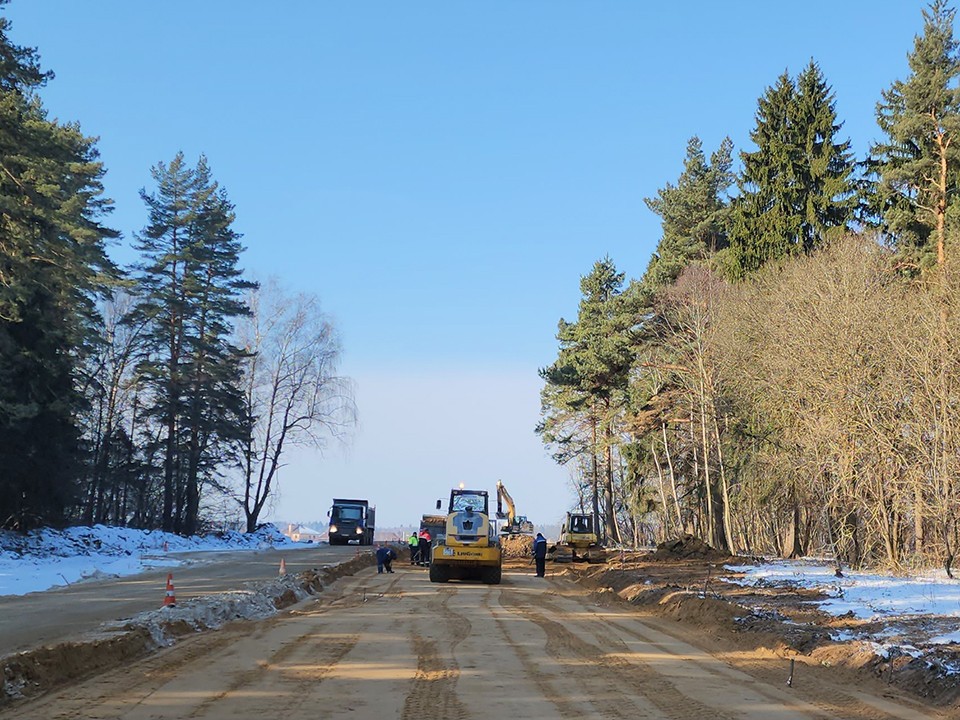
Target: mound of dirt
[(516, 546), (686, 547)]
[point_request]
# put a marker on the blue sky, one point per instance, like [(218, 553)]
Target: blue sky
[(441, 174)]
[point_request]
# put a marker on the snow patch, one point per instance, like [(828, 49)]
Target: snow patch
[(865, 595), (45, 559)]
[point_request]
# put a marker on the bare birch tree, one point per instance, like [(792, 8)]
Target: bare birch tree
[(294, 392)]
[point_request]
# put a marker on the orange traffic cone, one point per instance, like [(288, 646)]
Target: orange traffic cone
[(283, 567), (169, 600)]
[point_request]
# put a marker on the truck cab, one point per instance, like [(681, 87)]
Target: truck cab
[(351, 521)]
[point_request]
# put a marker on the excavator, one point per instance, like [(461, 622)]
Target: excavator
[(469, 548), (515, 524), (578, 541)]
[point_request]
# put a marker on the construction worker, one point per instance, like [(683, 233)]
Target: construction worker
[(385, 556), (424, 547), (540, 554), (414, 548)]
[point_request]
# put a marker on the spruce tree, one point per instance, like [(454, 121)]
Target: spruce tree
[(53, 267), (797, 188), (916, 166), (825, 172)]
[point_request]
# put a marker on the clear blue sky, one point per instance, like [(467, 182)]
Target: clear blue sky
[(441, 174)]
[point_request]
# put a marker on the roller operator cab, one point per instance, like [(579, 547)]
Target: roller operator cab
[(351, 521), (469, 548)]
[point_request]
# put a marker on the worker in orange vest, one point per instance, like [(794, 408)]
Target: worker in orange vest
[(423, 547)]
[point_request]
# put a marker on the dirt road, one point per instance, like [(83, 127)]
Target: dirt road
[(396, 646)]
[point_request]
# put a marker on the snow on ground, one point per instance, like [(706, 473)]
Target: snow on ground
[(866, 595), (890, 616), (46, 559)]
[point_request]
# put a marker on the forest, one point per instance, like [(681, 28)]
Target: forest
[(783, 378), (160, 395)]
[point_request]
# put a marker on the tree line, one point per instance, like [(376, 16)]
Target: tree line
[(161, 395), (784, 378)]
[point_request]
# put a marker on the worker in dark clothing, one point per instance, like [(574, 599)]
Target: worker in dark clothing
[(385, 556), (540, 554), (424, 547), (414, 543)]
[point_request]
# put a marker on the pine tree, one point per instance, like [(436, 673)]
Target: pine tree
[(692, 214), (916, 167), (589, 378), (797, 188), (53, 266), (189, 290)]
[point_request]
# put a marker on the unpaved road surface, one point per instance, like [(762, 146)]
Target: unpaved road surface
[(395, 646), (28, 621)]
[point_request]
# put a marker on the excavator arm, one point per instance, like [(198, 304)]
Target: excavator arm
[(504, 497), (515, 524)]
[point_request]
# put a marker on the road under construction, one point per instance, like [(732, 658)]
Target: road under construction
[(398, 646)]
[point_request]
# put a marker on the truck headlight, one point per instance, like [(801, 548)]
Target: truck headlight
[(333, 528), (359, 531)]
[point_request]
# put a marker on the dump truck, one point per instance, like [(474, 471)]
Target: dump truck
[(351, 521), (436, 525), (469, 548)]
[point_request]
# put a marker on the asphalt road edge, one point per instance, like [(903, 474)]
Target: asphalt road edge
[(34, 672)]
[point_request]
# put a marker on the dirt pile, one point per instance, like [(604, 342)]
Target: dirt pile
[(687, 547), (516, 546)]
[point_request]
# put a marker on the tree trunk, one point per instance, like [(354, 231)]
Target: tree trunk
[(666, 525), (673, 477), (611, 530), (724, 487), (595, 478)]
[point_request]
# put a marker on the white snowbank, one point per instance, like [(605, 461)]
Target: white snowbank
[(46, 558)]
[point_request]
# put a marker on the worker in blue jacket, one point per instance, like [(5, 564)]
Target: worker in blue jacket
[(385, 556), (540, 554)]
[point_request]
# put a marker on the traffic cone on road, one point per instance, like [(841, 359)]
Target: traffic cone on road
[(283, 567), (169, 600)]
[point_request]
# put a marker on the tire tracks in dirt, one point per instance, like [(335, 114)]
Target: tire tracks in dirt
[(565, 707), (318, 662), (712, 679), (75, 701), (616, 689), (829, 702), (434, 690)]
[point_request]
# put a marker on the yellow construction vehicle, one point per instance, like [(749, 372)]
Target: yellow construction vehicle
[(578, 541), (470, 548), (515, 524)]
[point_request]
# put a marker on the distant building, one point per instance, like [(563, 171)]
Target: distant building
[(302, 533)]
